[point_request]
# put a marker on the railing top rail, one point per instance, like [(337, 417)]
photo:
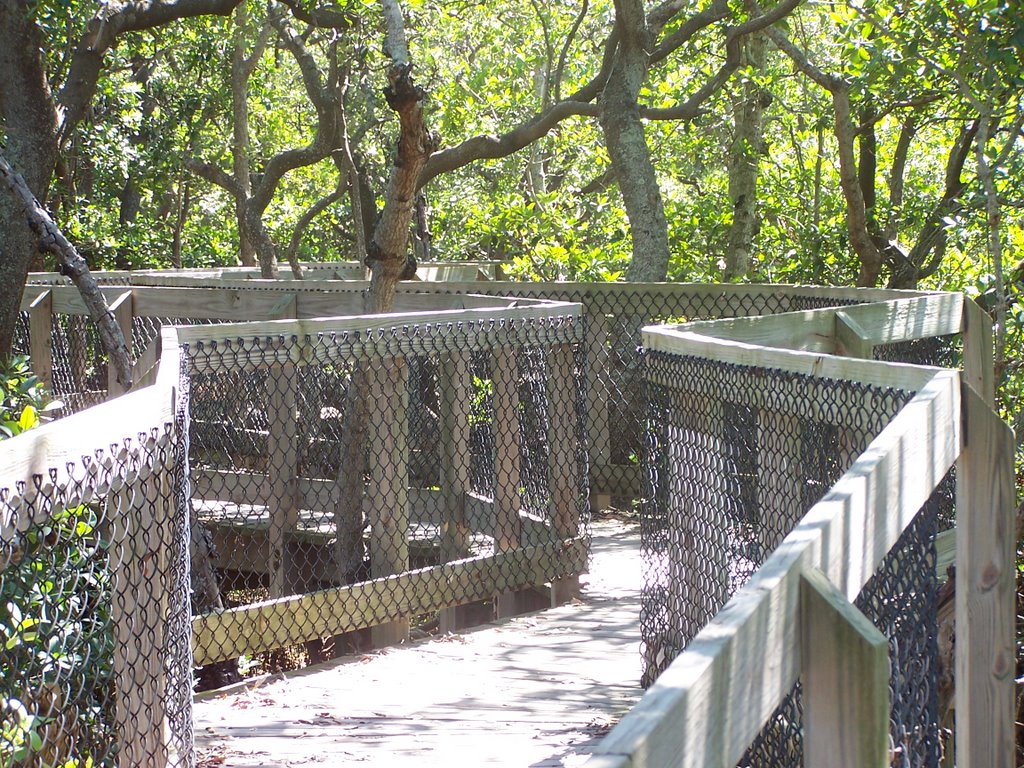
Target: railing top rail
[(48, 455), (707, 707), (381, 322)]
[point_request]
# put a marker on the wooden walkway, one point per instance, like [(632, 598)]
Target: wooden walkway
[(536, 690)]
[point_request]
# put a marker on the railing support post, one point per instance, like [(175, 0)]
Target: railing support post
[(845, 669), (985, 589), (40, 339)]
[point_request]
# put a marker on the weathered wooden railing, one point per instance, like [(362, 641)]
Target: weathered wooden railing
[(794, 619), (110, 678), (489, 542), (614, 314)]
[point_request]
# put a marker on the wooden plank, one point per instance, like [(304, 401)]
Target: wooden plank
[(985, 589), (845, 678), (505, 427), (40, 337), (140, 516), (883, 374), (455, 404), (473, 328), (888, 322), (122, 310), (283, 467), (851, 339), (977, 360), (598, 394), (387, 493), (564, 480), (237, 631), (711, 702)]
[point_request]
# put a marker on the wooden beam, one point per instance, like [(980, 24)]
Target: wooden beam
[(977, 341), (283, 469), (985, 589), (277, 623), (598, 396), (505, 427), (851, 339), (387, 493), (122, 310), (40, 337), (845, 677), (564, 480)]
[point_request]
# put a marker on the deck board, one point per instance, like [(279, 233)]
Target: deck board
[(537, 690)]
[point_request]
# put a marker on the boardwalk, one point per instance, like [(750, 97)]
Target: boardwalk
[(538, 690)]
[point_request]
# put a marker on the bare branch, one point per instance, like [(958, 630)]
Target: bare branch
[(214, 175), (52, 240)]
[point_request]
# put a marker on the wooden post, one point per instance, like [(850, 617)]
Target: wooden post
[(507, 496), (698, 546), (563, 465), (455, 404), (139, 524), (40, 337), (845, 673), (985, 588), (388, 493), (282, 471), (122, 310), (851, 339), (780, 478), (977, 360), (598, 392)]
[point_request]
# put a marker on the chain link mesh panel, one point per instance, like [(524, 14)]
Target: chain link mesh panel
[(96, 660), (381, 478)]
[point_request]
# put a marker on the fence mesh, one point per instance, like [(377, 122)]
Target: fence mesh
[(95, 667), (381, 478)]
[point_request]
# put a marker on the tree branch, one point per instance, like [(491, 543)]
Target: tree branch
[(52, 240)]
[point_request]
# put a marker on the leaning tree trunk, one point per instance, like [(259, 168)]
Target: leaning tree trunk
[(627, 146)]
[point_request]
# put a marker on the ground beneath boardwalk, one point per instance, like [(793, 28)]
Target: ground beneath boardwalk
[(537, 690)]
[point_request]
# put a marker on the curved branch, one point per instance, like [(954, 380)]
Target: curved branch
[(490, 147), (324, 18), (113, 19), (215, 175)]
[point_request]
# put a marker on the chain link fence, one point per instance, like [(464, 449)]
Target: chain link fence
[(735, 456), (95, 661), (383, 478)]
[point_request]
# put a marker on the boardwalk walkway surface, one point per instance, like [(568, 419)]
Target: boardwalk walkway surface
[(538, 690)]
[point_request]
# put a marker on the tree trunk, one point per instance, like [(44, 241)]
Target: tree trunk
[(241, 69), (744, 160), (627, 146), (30, 131)]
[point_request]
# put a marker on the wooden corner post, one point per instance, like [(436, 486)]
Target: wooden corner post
[(507, 495), (123, 311), (455, 403), (845, 669), (985, 588), (40, 337)]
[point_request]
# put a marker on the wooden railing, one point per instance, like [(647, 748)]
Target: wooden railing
[(794, 618), (121, 456)]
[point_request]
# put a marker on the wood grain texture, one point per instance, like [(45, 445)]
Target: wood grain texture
[(845, 679), (985, 589)]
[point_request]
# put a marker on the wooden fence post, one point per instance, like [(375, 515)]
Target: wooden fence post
[(40, 337), (985, 588), (455, 405), (123, 310), (598, 392), (977, 342), (507, 496), (388, 492), (563, 465), (283, 472), (780, 477), (845, 673), (140, 523)]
